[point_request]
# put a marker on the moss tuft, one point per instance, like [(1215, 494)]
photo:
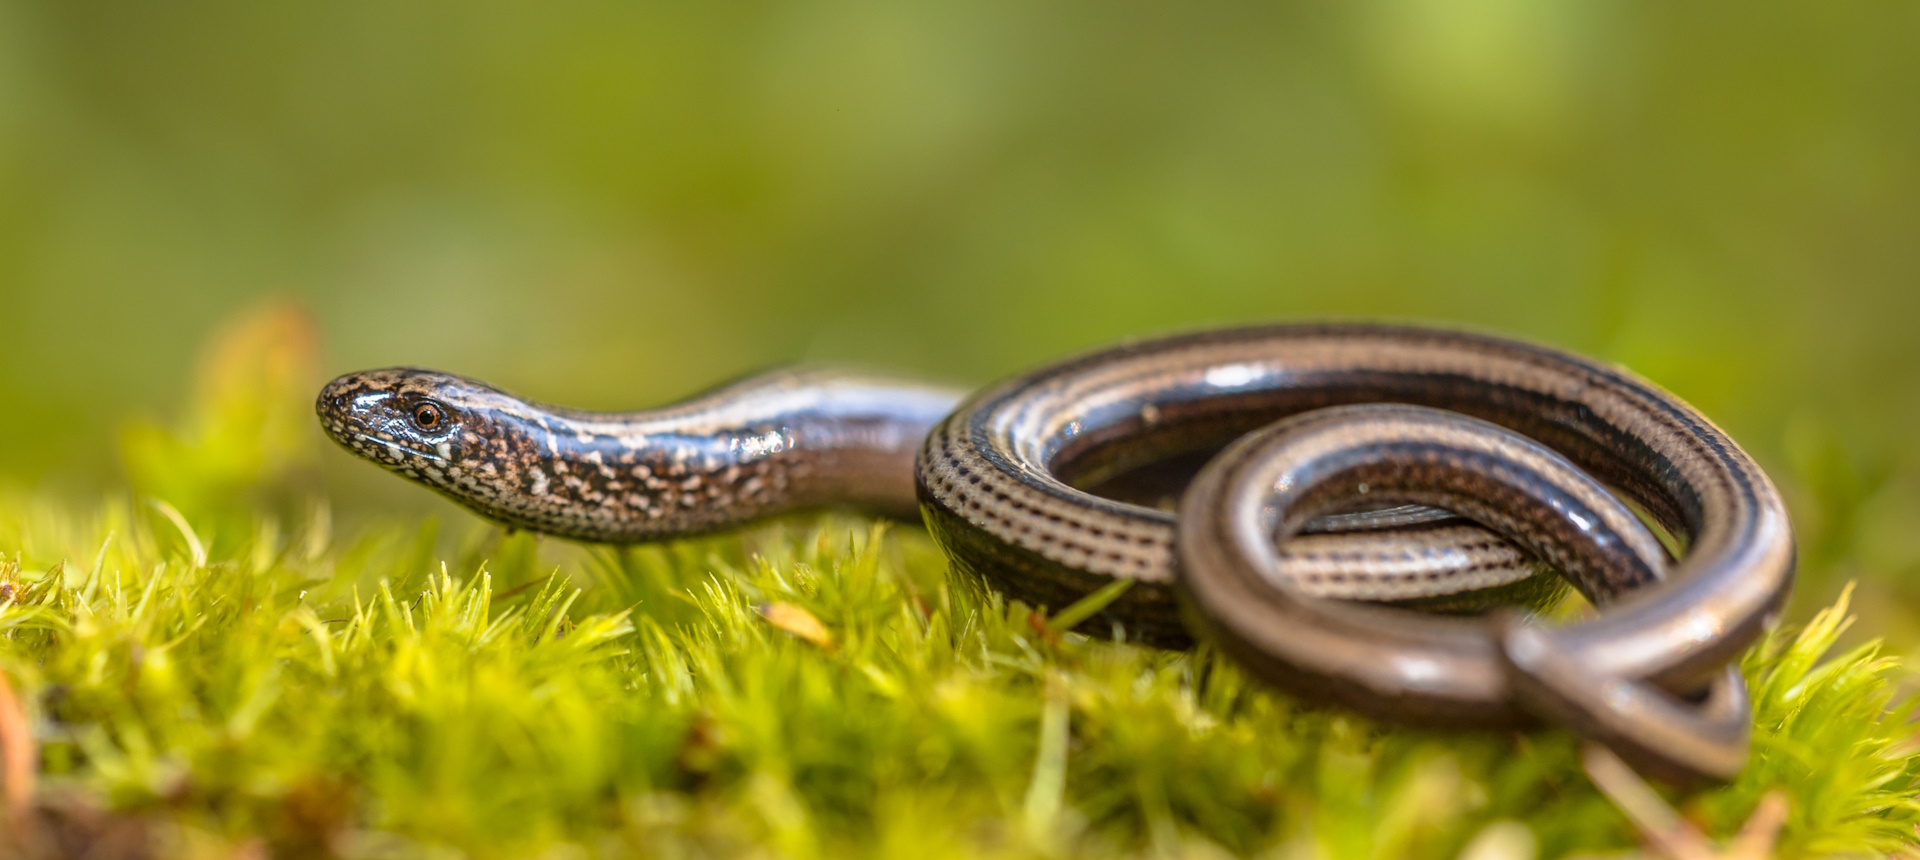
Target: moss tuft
[(811, 688)]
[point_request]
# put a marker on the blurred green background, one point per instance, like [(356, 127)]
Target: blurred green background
[(609, 205)]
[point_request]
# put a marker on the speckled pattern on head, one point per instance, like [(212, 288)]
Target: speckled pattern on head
[(772, 443)]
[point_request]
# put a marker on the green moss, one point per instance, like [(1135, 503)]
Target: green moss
[(356, 694), (228, 671)]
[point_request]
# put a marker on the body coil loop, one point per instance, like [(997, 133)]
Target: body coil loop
[(1552, 430), (1470, 672)]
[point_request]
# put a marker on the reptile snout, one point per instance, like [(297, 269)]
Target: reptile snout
[(332, 401), (351, 404), (336, 399)]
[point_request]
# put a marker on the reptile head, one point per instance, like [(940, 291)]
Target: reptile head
[(420, 423)]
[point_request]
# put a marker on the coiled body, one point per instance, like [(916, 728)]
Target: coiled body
[(1513, 433), (991, 474)]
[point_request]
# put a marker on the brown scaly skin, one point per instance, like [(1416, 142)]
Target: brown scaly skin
[(1236, 556), (767, 445), (989, 474)]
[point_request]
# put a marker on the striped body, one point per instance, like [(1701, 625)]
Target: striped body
[(991, 491), (1518, 436)]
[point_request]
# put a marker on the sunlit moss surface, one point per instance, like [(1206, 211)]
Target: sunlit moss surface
[(223, 664), (355, 694)]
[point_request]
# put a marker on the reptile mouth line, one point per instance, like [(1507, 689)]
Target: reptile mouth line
[(407, 448)]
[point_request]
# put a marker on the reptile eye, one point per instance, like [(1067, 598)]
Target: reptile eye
[(427, 416)]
